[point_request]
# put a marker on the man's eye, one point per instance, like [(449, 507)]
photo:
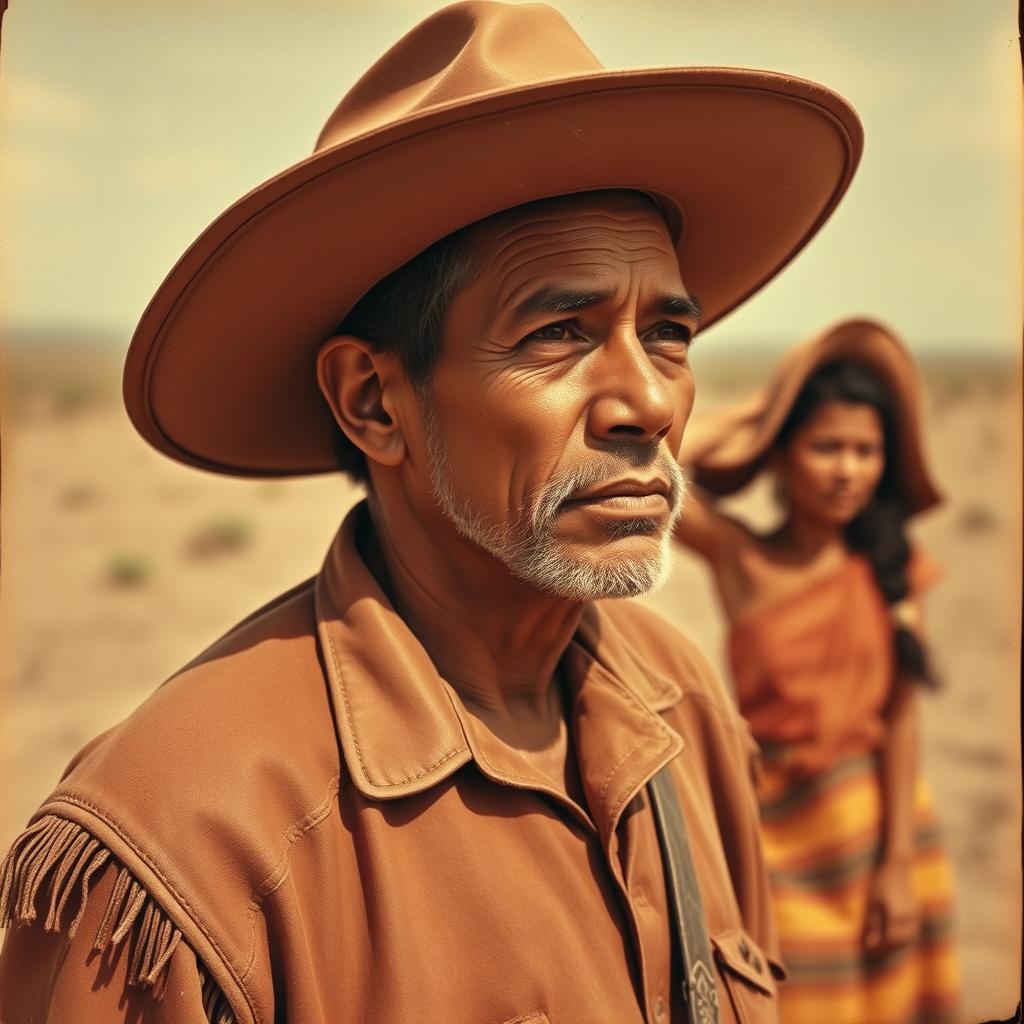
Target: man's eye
[(671, 332), (551, 332)]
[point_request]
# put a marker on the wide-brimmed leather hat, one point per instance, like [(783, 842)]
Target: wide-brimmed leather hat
[(743, 451), (480, 108)]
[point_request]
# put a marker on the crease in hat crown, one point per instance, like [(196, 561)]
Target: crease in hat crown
[(443, 130), (464, 50)]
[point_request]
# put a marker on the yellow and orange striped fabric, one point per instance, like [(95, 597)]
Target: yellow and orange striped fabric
[(822, 840)]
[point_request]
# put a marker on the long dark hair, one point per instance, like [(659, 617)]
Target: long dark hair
[(878, 531)]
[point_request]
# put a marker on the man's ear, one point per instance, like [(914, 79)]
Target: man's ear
[(356, 381)]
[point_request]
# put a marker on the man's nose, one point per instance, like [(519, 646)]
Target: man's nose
[(633, 400)]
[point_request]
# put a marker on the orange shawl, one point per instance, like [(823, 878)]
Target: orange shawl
[(814, 670)]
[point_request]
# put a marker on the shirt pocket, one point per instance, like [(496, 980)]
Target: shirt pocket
[(747, 975)]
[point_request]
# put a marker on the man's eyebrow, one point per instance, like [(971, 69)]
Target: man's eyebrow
[(555, 299), (682, 305)]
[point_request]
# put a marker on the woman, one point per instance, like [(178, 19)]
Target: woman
[(826, 652)]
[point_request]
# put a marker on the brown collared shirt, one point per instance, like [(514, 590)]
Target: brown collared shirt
[(337, 839)]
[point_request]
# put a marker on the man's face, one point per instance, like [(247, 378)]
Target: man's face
[(556, 408)]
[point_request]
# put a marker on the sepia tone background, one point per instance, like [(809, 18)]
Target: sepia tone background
[(127, 128)]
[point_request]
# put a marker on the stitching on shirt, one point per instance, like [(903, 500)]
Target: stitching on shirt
[(428, 769), (344, 700), (252, 911), (618, 764), (355, 740), (660, 730), (627, 793), (81, 802), (295, 832)]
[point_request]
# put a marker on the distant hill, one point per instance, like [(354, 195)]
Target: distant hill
[(948, 373), (64, 371), (58, 371)]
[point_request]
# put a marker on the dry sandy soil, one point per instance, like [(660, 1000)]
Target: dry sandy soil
[(118, 565)]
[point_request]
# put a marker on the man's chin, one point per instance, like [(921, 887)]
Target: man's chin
[(613, 549), (597, 539), (621, 567)]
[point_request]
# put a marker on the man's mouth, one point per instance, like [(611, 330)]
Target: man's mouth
[(630, 497), (631, 488)]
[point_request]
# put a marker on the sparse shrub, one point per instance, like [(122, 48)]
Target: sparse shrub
[(227, 535), (72, 397), (128, 570), (76, 496), (977, 518)]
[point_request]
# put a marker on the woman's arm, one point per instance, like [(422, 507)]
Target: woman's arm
[(702, 527), (707, 430), (892, 917)]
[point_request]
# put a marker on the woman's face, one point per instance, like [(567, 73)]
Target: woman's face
[(833, 462)]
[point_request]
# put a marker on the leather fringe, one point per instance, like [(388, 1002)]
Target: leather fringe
[(62, 857), (215, 1006)]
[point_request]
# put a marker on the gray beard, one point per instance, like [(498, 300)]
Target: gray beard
[(529, 548)]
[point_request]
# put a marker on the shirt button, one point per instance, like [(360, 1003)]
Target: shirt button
[(757, 964), (659, 1008), (745, 950)]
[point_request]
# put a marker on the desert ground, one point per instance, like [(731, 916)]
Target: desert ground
[(118, 565)]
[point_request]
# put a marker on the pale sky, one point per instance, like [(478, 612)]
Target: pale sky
[(128, 126)]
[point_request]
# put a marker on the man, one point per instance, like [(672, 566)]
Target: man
[(417, 787)]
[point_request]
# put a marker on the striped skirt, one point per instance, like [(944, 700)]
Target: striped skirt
[(821, 837)]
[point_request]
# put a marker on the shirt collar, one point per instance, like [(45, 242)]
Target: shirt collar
[(403, 729)]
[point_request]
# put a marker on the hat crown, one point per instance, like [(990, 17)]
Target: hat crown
[(466, 49)]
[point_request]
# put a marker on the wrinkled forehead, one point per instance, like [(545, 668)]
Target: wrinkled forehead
[(613, 199), (590, 235), (572, 219)]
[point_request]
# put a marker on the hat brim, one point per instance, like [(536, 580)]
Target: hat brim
[(220, 373), (742, 454)]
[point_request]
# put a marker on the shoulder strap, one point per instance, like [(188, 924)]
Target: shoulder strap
[(700, 991)]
